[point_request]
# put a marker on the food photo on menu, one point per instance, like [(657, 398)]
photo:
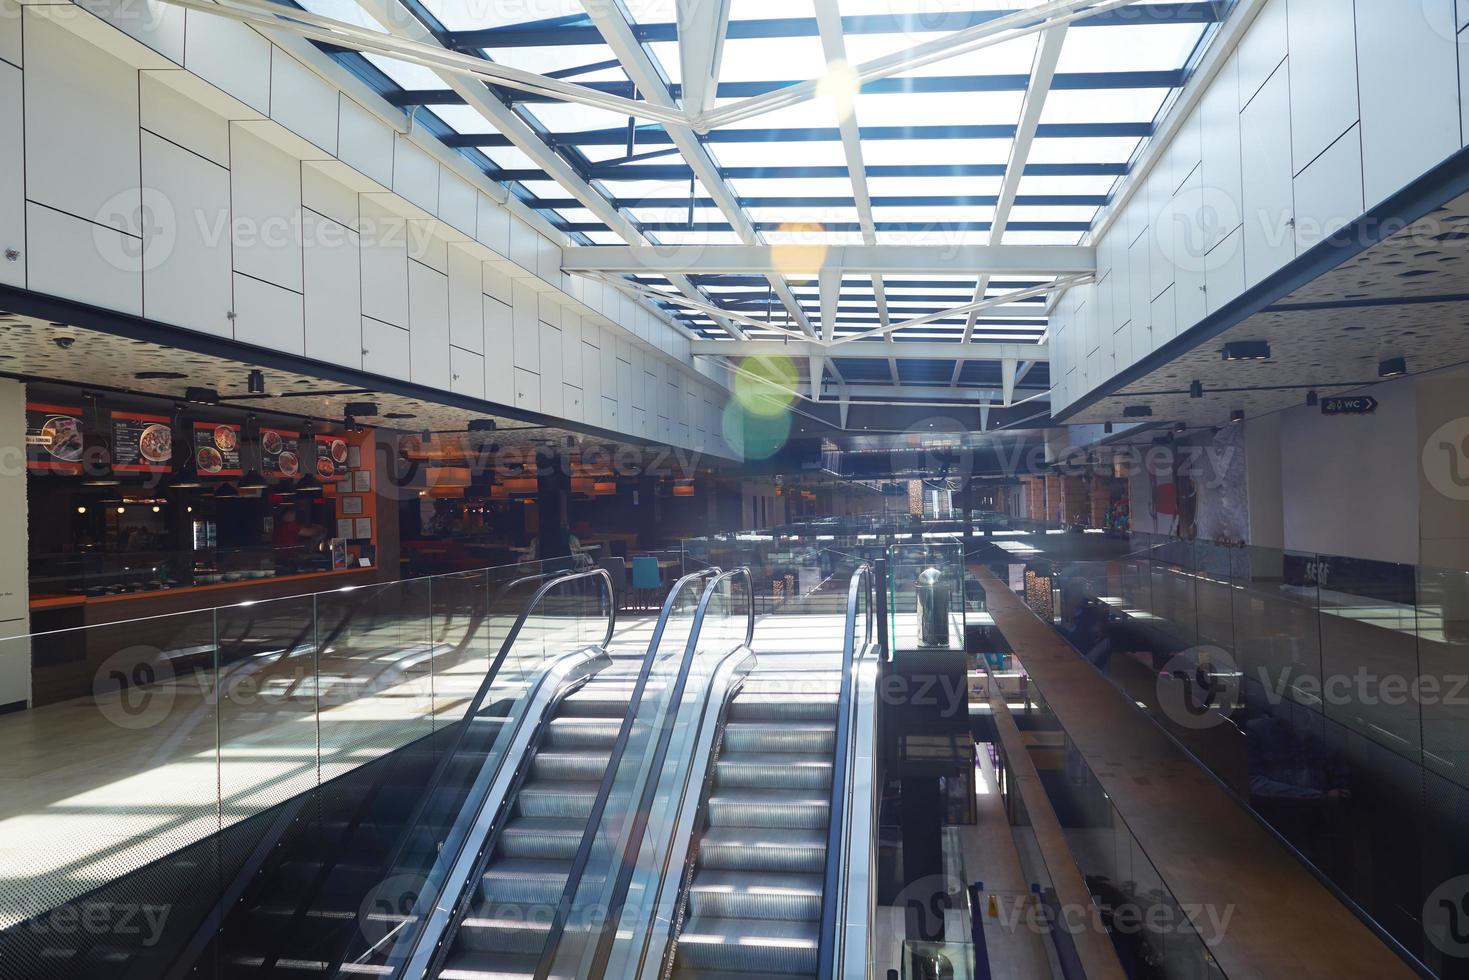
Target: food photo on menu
[(217, 449), (331, 458), (280, 453)]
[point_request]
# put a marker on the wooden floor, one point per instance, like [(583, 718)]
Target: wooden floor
[(1206, 847)]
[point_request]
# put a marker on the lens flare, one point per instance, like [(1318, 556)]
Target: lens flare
[(765, 384), (751, 436), (839, 86)]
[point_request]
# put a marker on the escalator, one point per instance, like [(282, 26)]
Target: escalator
[(504, 929), (753, 907)]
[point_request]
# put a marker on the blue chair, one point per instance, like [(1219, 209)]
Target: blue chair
[(647, 580)]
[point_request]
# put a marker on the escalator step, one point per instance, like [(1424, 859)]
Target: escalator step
[(556, 838), (769, 808), (768, 737), (783, 707), (579, 733), (597, 701), (570, 766), (757, 895), (505, 931), (761, 770), (683, 973), (472, 965), (524, 880), (750, 849), (748, 946), (556, 799)]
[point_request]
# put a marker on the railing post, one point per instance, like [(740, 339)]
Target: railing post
[(880, 577)]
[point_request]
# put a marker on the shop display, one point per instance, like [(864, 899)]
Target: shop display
[(53, 438), (141, 443), (217, 450)]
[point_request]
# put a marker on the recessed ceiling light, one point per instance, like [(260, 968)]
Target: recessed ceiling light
[(1137, 411), (160, 376)]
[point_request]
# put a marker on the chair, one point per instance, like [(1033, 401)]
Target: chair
[(647, 580), (617, 569)]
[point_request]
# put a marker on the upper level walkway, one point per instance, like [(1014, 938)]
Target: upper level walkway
[(1209, 850)]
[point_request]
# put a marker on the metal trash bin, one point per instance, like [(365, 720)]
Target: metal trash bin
[(933, 609)]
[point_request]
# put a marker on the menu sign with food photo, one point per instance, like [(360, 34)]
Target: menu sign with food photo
[(217, 449), (53, 438), (141, 443), (280, 453), (331, 458)]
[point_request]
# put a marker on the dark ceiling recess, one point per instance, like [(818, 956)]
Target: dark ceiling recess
[(1137, 411), (1246, 350)]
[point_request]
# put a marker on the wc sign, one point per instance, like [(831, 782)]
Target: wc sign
[(1349, 405)]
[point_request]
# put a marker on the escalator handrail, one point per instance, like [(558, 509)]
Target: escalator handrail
[(638, 812), (831, 883), (556, 580)]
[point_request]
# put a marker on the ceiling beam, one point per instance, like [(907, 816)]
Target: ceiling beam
[(701, 29), (988, 303), (926, 350), (1042, 74), (1039, 17), (1036, 260), (612, 22)]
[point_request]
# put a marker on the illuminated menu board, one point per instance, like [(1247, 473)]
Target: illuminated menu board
[(141, 443), (53, 438), (331, 459), (217, 449), (280, 453)]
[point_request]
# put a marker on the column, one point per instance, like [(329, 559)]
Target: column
[(15, 621)]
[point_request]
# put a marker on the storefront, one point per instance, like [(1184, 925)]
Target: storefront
[(143, 507)]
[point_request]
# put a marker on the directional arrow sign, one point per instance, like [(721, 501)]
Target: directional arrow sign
[(1349, 405)]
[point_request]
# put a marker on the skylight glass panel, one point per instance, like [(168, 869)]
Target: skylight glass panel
[(407, 75), (792, 186), (696, 237), (809, 237), (1084, 149), (949, 213), (469, 15), (1103, 105), (347, 11), (1142, 46), (811, 114), (932, 186), (604, 238), (827, 153), (1031, 185), (781, 59), (798, 214), (545, 59), (569, 117), (1042, 238), (651, 11), (1013, 57), (1048, 213), (674, 214), (939, 108), (880, 152)]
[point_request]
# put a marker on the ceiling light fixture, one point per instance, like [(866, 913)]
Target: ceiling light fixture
[(1237, 416), (1246, 350), (1392, 367), (201, 396), (1196, 389), (1137, 411), (255, 383), (1312, 399)]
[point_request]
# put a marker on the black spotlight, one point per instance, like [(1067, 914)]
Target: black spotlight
[(1137, 411), (201, 396), (426, 436), (1196, 389), (255, 383), (366, 410), (1392, 367), (1107, 427), (1246, 350), (1312, 399), (1237, 416), (482, 425), (1180, 427)]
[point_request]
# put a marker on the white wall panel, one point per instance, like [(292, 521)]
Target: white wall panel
[(1269, 242), (12, 176), (81, 128), (1187, 251), (10, 48), (1323, 75), (469, 373), (466, 300), (323, 194), (497, 283), (268, 316), (609, 414), (552, 374), (458, 202), (1224, 274), (415, 175), (1328, 193), (548, 259), (1262, 49), (572, 403), (186, 278), (1139, 265), (333, 270), (385, 349), (571, 347), (265, 187), (231, 56), (384, 253), (179, 119), (302, 102), (364, 141), (527, 328), (527, 390), (1220, 200), (1409, 84), (1165, 323), (76, 259), (492, 227), (499, 345), (428, 322), (591, 371), (522, 244), (549, 309)]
